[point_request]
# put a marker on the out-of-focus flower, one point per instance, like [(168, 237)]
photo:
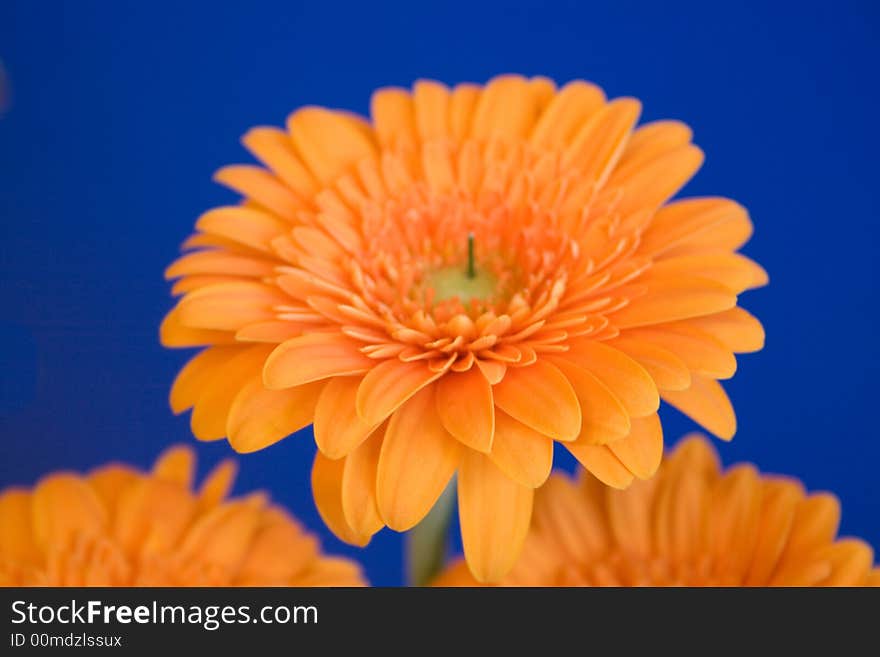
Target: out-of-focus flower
[(691, 525), (121, 527), (473, 274)]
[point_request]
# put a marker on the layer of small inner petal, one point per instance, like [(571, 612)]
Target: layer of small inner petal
[(527, 250), (416, 240)]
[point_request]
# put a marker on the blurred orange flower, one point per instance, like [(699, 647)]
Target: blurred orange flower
[(473, 274), (691, 525), (121, 527)]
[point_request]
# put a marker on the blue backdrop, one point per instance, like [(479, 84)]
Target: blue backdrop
[(121, 111)]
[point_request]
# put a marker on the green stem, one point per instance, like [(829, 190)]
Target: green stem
[(471, 269), (427, 542)]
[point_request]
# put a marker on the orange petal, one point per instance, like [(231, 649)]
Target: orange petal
[(222, 536), (461, 109), (568, 111), (208, 421), (807, 571), (274, 148), (602, 463), (736, 329), (667, 300), (229, 306), (695, 453), (681, 505), (523, 454), (542, 398), (259, 417), (64, 506), (728, 235), (172, 333), (642, 450), (279, 550), (649, 186), (598, 145), (666, 369), (466, 408), (176, 464), (152, 516), (417, 460), (196, 374), (493, 370), (316, 242), (312, 357), (604, 419), (190, 283), (438, 167), (850, 560), (249, 227), (331, 571), (631, 517), (688, 221), (17, 542), (706, 403), (650, 141), (494, 513), (262, 187), (393, 116), (542, 89), (337, 218), (625, 378), (328, 142), (359, 503), (219, 263), (736, 272), (735, 518), (218, 484), (432, 109), (338, 427), (388, 385), (506, 109), (110, 482), (815, 524), (206, 241), (272, 332), (574, 519), (779, 502), (698, 350), (327, 477)]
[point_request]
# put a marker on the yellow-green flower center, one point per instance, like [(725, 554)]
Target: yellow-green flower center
[(465, 283), (451, 282)]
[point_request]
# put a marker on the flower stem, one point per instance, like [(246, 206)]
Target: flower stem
[(471, 269), (427, 542)]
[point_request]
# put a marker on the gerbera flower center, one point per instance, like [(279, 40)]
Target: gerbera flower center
[(459, 254), (466, 284)]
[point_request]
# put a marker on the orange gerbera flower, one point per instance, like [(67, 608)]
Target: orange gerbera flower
[(473, 274), (121, 527), (690, 525)]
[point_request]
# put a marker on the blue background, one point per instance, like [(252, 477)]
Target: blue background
[(121, 111)]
